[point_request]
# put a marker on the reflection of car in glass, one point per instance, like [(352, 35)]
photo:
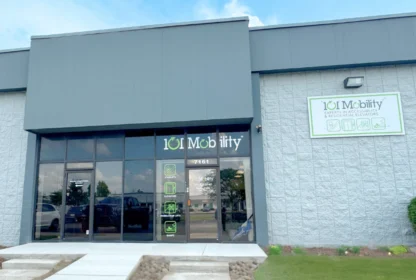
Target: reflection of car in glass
[(75, 214), (47, 215), (207, 209), (107, 213), (135, 214)]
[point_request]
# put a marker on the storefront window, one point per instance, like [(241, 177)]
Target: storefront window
[(170, 146), (140, 147), (139, 183), (80, 149), (170, 201), (202, 145), (234, 144), (110, 148), (49, 201), (236, 200), (171, 185), (52, 149), (108, 200)]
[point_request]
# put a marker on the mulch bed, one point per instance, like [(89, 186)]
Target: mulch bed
[(243, 270), (151, 268)]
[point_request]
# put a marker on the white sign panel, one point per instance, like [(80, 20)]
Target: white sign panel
[(355, 115)]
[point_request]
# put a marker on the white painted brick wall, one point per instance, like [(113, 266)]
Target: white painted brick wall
[(13, 142), (339, 191)]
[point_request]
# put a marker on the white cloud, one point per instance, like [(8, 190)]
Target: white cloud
[(21, 19), (233, 8), (272, 20)]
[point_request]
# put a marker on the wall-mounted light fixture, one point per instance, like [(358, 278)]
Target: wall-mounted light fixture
[(258, 127), (353, 82)]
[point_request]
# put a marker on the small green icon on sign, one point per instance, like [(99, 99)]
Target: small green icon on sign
[(170, 170), (363, 124), (170, 187), (170, 227), (348, 125), (170, 207), (378, 123), (174, 143), (333, 125)]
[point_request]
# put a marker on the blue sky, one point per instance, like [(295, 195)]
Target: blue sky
[(20, 19)]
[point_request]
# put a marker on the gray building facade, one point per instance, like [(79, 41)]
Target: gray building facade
[(199, 132)]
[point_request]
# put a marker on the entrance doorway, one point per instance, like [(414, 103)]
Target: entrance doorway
[(204, 205), (76, 206)]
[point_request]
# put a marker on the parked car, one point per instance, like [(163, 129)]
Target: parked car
[(75, 214), (107, 213), (207, 209), (47, 215)]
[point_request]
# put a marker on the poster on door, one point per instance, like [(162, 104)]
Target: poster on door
[(372, 114)]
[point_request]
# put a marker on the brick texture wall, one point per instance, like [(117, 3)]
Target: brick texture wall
[(13, 141), (338, 191)]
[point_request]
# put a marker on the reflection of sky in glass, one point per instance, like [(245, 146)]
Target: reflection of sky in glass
[(234, 163), (111, 174), (139, 175), (140, 147), (52, 149), (109, 148), (50, 180), (198, 184), (80, 149)]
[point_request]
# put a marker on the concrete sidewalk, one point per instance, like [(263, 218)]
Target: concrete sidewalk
[(117, 260)]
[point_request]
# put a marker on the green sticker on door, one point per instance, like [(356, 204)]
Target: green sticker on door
[(170, 227)]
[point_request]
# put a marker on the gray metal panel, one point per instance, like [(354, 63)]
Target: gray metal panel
[(326, 45), (145, 77), (259, 186), (28, 204), (13, 69), (302, 53)]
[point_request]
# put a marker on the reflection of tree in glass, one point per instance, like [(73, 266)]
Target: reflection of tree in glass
[(55, 198), (102, 189), (76, 196), (232, 186)]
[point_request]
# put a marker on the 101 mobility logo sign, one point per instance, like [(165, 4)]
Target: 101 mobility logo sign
[(355, 115), (174, 143)]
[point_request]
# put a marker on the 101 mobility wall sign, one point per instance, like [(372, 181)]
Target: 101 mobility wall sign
[(355, 115)]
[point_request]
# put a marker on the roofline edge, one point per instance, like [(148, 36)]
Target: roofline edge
[(14, 50), (335, 21), (144, 27)]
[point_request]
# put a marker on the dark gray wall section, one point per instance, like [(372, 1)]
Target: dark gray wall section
[(13, 70), (377, 41), (194, 73), (26, 224), (259, 186)]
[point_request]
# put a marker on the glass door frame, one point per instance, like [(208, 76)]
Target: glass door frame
[(63, 208), (189, 204)]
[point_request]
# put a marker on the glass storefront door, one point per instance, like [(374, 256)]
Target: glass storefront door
[(77, 206), (203, 204)]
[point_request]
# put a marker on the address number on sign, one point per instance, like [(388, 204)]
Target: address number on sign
[(202, 162)]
